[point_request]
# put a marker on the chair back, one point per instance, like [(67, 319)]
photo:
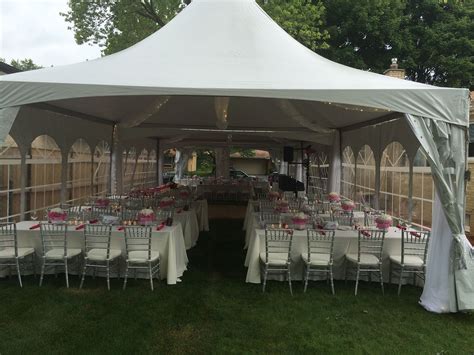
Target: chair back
[(371, 216), (54, 236), (97, 212), (270, 218), (133, 203), (266, 206), (129, 214), (320, 242), (294, 204), (8, 237), (278, 241), (161, 215), (370, 241), (343, 218), (289, 196), (260, 195), (415, 243), (138, 238), (97, 236)]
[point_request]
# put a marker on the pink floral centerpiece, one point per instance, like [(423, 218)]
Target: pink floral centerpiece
[(300, 220), (166, 202), (334, 197), (273, 195), (347, 205), (146, 216), (57, 215), (281, 206), (102, 202), (383, 221)]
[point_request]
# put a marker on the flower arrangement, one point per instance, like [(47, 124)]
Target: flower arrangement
[(56, 215), (281, 206), (273, 195), (383, 221), (300, 220), (146, 216), (334, 197), (166, 202), (102, 202), (348, 205)]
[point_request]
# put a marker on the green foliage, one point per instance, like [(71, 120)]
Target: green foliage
[(433, 40), (116, 25), (302, 19), (22, 64), (244, 152)]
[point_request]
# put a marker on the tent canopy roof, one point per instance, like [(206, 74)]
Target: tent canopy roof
[(229, 48)]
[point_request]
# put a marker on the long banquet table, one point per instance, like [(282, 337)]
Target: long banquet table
[(346, 241), (169, 242)]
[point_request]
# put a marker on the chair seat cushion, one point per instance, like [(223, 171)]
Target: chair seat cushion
[(365, 259), (317, 259), (101, 254), (275, 258), (138, 256), (59, 253), (9, 253), (409, 260)]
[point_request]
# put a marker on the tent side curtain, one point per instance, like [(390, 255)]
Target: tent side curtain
[(7, 117), (445, 148)]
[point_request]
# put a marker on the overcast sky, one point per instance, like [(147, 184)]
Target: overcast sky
[(34, 29)]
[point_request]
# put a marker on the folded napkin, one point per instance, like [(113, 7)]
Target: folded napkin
[(36, 226), (160, 226), (415, 234), (319, 226), (179, 211), (399, 226), (120, 228), (366, 234), (93, 221), (82, 226)]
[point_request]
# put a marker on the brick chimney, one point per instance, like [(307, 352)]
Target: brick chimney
[(394, 71)]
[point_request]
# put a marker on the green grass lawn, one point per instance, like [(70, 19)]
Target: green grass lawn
[(214, 311)]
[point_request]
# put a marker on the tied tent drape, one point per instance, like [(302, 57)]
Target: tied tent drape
[(445, 147)]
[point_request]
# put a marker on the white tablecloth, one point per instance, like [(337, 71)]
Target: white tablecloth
[(169, 242), (189, 223), (202, 213), (345, 242)]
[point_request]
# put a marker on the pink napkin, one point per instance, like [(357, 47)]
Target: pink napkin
[(120, 228), (160, 227), (94, 221), (415, 234), (82, 226), (179, 211), (36, 226), (399, 226), (365, 233)]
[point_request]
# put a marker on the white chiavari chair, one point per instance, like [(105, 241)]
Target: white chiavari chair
[(98, 253), (140, 255), (412, 260), (319, 256), (277, 255), (368, 258), (10, 254), (56, 252)]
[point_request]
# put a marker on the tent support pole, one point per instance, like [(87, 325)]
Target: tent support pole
[(410, 191), (64, 156), (23, 176), (159, 163), (91, 190), (377, 183), (115, 163)]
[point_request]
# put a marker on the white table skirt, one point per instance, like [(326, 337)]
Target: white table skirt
[(202, 213), (346, 241), (189, 223), (169, 242)]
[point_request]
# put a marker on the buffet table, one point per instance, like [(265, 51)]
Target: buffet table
[(189, 223), (202, 214), (346, 241), (169, 242)]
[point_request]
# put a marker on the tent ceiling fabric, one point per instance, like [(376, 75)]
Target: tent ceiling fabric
[(235, 50)]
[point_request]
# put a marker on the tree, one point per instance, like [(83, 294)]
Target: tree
[(22, 64), (433, 39), (116, 25), (302, 19)]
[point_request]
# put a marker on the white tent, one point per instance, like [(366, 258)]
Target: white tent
[(222, 70)]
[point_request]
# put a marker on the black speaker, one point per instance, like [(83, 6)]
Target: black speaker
[(288, 154)]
